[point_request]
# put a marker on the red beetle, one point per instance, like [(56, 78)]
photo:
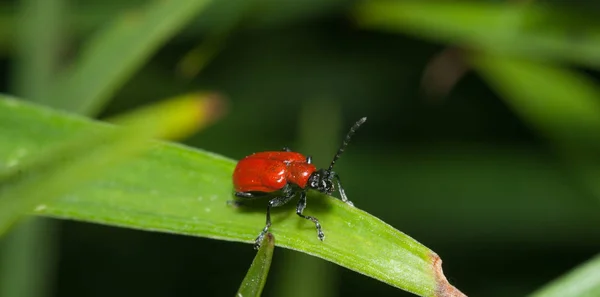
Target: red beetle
[(280, 175)]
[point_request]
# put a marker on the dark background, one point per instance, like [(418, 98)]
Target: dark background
[(460, 172)]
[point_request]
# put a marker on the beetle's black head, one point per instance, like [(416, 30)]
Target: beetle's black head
[(322, 181)]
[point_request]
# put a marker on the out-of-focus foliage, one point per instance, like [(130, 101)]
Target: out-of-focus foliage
[(33, 178), (471, 175), (583, 281)]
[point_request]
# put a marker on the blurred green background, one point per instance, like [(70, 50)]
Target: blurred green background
[(458, 168)]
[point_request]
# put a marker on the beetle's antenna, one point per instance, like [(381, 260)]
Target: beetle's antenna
[(345, 143)]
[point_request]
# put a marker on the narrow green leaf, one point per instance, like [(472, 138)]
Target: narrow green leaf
[(318, 132), (533, 30), (117, 51), (27, 270), (556, 100), (196, 59), (583, 281), (181, 190), (55, 171), (561, 104), (38, 27), (255, 279)]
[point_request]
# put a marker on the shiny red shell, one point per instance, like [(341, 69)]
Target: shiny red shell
[(271, 171)]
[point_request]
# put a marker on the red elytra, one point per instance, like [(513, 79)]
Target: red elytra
[(271, 171), (281, 175)]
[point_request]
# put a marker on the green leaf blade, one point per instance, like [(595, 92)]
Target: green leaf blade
[(117, 51), (560, 103), (59, 168), (554, 99), (534, 31), (176, 189), (255, 279), (583, 281)]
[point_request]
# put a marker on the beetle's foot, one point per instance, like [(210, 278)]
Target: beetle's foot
[(349, 203), (321, 235)]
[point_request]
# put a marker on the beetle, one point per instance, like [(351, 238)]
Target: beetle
[(281, 175)]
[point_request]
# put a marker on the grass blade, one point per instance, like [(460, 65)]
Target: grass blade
[(26, 270), (117, 51), (534, 31), (39, 32), (181, 190), (319, 128), (255, 279), (556, 100), (57, 170), (583, 281), (561, 104)]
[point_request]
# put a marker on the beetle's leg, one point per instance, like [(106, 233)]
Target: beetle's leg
[(275, 202), (308, 159), (251, 194), (245, 195), (341, 190), (286, 149), (300, 208)]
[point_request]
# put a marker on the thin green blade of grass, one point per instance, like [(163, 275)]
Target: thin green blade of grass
[(583, 281), (39, 27), (59, 169), (25, 269), (176, 189), (533, 30), (198, 58), (117, 51), (319, 127), (557, 100), (195, 60), (255, 279), (561, 104)]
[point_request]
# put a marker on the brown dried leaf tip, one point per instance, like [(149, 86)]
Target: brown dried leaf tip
[(215, 106), (443, 72), (270, 239), (443, 287)]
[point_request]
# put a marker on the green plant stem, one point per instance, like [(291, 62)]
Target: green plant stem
[(29, 256), (29, 253), (318, 131)]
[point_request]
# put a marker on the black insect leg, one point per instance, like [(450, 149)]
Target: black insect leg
[(246, 195), (343, 196), (300, 208), (288, 194), (251, 194)]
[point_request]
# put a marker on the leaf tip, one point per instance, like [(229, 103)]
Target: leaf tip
[(270, 240), (188, 113), (443, 287), (213, 106)]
